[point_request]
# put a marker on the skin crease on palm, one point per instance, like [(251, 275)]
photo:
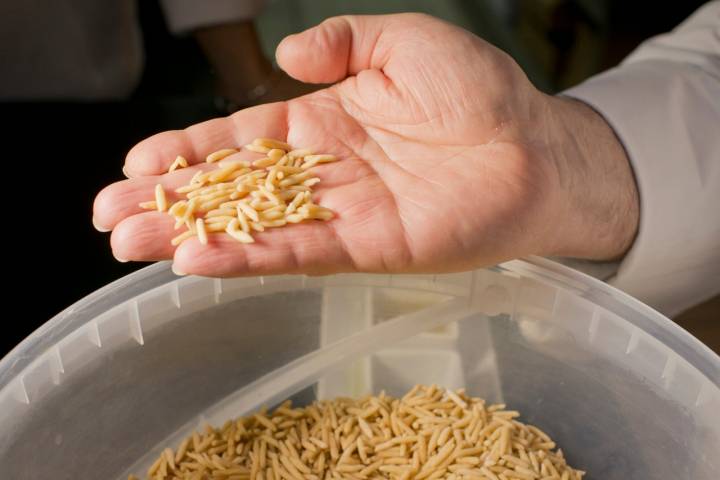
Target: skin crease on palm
[(450, 160)]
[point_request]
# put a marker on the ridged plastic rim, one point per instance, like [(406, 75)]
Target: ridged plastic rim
[(633, 311)]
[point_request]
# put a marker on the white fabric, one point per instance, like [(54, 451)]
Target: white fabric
[(186, 15), (663, 102)]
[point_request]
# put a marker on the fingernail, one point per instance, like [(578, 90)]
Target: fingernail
[(177, 272), (125, 172), (98, 227), (121, 260)]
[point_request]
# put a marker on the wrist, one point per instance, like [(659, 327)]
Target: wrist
[(600, 204)]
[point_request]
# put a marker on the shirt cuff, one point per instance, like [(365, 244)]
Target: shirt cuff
[(604, 271), (666, 115)]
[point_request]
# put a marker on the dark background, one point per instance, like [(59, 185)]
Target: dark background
[(58, 155)]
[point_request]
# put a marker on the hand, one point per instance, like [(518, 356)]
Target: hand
[(451, 160)]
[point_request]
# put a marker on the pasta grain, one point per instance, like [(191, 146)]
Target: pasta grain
[(219, 155), (160, 198), (345, 438), (179, 162), (240, 197)]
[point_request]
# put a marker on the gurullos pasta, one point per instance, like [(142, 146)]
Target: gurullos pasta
[(241, 197), (430, 433)]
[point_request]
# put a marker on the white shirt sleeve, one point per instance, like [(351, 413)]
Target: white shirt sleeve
[(184, 16), (663, 102)]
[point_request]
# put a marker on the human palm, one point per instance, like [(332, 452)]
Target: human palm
[(444, 162)]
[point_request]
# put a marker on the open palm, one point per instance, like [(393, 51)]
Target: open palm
[(443, 165)]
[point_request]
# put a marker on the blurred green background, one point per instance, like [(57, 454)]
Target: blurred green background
[(557, 42)]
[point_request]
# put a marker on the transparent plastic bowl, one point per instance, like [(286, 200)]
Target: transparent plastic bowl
[(100, 389)]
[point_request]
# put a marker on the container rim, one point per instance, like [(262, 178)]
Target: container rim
[(631, 310)]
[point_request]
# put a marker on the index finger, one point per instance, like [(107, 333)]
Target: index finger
[(154, 155)]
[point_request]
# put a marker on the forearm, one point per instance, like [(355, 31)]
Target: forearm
[(663, 102), (235, 53), (599, 216)]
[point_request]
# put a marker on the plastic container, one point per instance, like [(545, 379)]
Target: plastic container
[(100, 389)]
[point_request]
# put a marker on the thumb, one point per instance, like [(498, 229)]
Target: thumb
[(338, 47)]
